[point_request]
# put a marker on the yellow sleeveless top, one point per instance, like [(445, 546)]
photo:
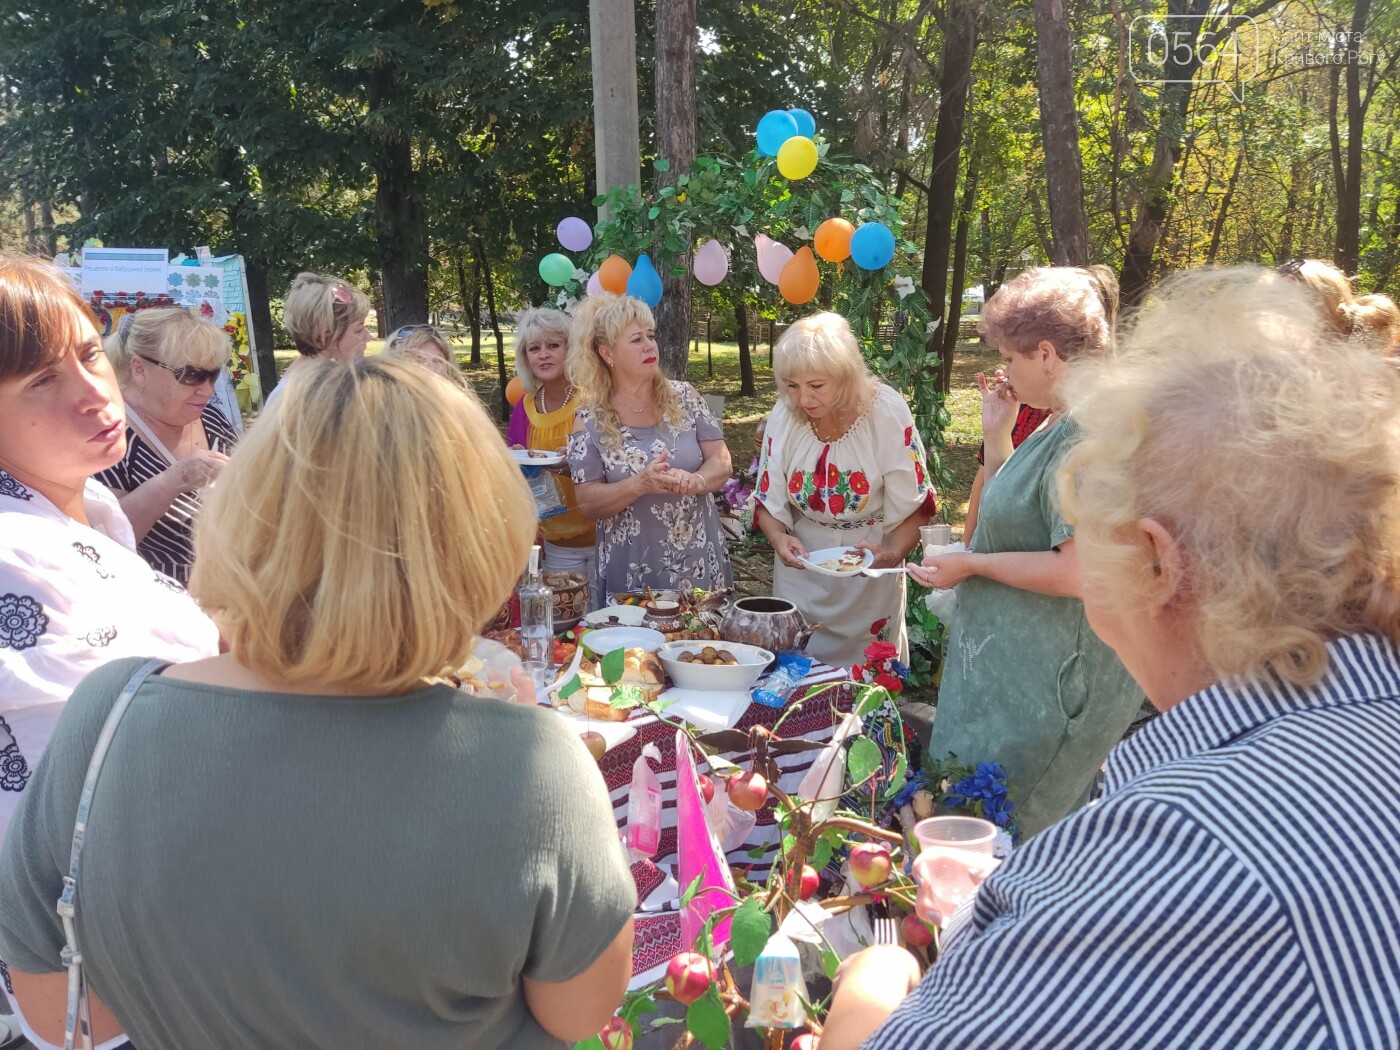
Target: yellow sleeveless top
[(549, 432)]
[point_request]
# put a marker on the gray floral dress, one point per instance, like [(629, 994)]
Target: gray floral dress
[(662, 540)]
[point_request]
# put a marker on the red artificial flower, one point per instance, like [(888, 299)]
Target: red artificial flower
[(859, 484), (816, 502), (763, 483), (879, 625), (889, 681), (908, 435), (795, 483), (881, 651), (857, 673), (837, 503)]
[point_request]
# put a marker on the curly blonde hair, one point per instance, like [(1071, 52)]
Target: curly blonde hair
[(600, 320), (1235, 417), (1373, 319), (1071, 307)]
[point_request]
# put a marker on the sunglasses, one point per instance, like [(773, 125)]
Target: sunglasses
[(340, 295), (403, 332), (185, 375), (1291, 268)]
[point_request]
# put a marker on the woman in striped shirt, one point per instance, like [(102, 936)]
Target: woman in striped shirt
[(177, 441), (1237, 884)]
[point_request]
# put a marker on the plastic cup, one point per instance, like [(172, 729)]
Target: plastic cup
[(956, 832), (939, 535)]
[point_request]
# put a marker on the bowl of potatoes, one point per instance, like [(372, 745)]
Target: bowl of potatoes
[(726, 667)]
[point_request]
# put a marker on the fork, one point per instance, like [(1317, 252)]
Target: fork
[(886, 931)]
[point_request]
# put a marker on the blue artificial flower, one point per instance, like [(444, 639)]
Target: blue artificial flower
[(899, 669), (907, 792)]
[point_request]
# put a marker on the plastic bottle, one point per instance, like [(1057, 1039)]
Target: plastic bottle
[(537, 625), (644, 807)]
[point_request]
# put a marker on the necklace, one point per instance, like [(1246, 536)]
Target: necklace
[(539, 399)]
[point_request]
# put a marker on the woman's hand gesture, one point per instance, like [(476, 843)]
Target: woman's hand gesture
[(686, 483), (657, 475), (198, 468), (999, 405), (790, 550), (942, 571)]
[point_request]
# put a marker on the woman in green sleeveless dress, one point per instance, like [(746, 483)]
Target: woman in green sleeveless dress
[(1026, 682)]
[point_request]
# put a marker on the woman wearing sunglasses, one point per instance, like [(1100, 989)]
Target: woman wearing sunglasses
[(177, 441)]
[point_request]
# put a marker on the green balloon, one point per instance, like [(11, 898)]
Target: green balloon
[(556, 269)]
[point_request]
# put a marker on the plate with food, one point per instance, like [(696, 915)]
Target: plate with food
[(593, 699), (714, 666), (534, 457), (839, 561)]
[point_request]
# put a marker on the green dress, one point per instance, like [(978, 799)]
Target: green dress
[(1026, 682)]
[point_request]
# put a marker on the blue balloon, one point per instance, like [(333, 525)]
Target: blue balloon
[(872, 246), (806, 123), (645, 282), (776, 127)]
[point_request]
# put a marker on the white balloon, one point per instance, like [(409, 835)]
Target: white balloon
[(594, 287), (772, 257), (711, 263)]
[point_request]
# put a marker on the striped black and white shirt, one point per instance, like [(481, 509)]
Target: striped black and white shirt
[(169, 546), (1237, 886)]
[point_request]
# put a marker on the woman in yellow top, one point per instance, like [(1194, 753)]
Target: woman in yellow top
[(542, 419)]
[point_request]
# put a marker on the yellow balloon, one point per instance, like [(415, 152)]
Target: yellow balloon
[(797, 158)]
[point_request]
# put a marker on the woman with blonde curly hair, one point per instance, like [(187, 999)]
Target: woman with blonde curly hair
[(1026, 682), (645, 455), (1372, 319), (325, 317), (312, 839), (1236, 884)]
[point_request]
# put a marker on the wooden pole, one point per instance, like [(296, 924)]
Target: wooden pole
[(612, 27)]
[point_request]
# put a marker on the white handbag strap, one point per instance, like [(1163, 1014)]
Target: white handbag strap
[(79, 1016), (148, 435)]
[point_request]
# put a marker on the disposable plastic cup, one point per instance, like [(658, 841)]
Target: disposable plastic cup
[(956, 832), (936, 535)]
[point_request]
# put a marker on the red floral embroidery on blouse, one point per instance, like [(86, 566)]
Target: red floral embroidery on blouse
[(795, 483), (879, 625), (836, 503), (860, 484), (763, 483)]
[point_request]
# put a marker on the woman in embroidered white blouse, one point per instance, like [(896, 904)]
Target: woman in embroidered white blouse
[(74, 594)]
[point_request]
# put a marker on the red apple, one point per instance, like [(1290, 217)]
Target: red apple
[(917, 933), (707, 788), (870, 863), (809, 884), (805, 1041), (616, 1035), (687, 977), (596, 743), (748, 791)]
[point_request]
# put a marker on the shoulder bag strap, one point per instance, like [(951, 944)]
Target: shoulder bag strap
[(148, 435), (79, 1017)]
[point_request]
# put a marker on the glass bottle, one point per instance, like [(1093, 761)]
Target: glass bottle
[(537, 625)]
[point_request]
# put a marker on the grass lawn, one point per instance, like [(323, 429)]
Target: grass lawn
[(742, 414)]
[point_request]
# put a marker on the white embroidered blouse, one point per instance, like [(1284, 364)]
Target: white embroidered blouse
[(74, 597)]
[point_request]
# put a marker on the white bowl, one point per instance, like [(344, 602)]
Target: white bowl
[(722, 678), (609, 638), (625, 615)]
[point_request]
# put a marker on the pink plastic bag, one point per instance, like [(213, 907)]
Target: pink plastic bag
[(700, 855), (644, 807)]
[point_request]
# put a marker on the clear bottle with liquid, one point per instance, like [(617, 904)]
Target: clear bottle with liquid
[(537, 625)]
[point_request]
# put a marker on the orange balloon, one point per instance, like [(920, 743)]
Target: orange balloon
[(833, 240), (515, 390), (799, 280), (613, 274)]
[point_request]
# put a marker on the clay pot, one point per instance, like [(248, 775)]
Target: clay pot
[(774, 624), (570, 597)]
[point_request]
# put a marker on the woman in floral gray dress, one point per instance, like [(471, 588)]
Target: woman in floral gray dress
[(646, 456)]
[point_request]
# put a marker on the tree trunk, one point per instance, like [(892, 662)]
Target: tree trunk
[(741, 335), (675, 139), (31, 229), (960, 41), (50, 234), (1059, 127), (1218, 226), (399, 226), (260, 323), (496, 328), (476, 308), (1348, 249), (950, 328)]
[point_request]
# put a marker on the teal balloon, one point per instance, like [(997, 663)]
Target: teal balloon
[(776, 127), (556, 269), (645, 282), (872, 246), (806, 123)]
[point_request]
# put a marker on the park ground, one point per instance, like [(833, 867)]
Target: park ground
[(742, 414)]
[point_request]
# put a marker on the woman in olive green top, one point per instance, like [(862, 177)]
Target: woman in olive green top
[(1026, 682), (308, 841)]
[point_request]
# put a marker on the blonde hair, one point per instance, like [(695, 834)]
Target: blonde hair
[(824, 344), (423, 345), (536, 323), (1371, 319), (1267, 446), (318, 310), (600, 320), (1071, 307), (362, 535), (171, 335)]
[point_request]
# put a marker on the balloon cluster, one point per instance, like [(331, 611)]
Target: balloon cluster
[(787, 135)]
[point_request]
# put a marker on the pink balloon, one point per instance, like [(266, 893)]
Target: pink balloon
[(594, 287), (711, 263), (772, 257), (574, 234)]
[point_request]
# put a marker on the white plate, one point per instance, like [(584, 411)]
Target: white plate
[(610, 638), (535, 458), (626, 616), (721, 678), (815, 558)]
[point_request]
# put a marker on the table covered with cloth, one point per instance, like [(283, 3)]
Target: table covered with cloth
[(657, 919)]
